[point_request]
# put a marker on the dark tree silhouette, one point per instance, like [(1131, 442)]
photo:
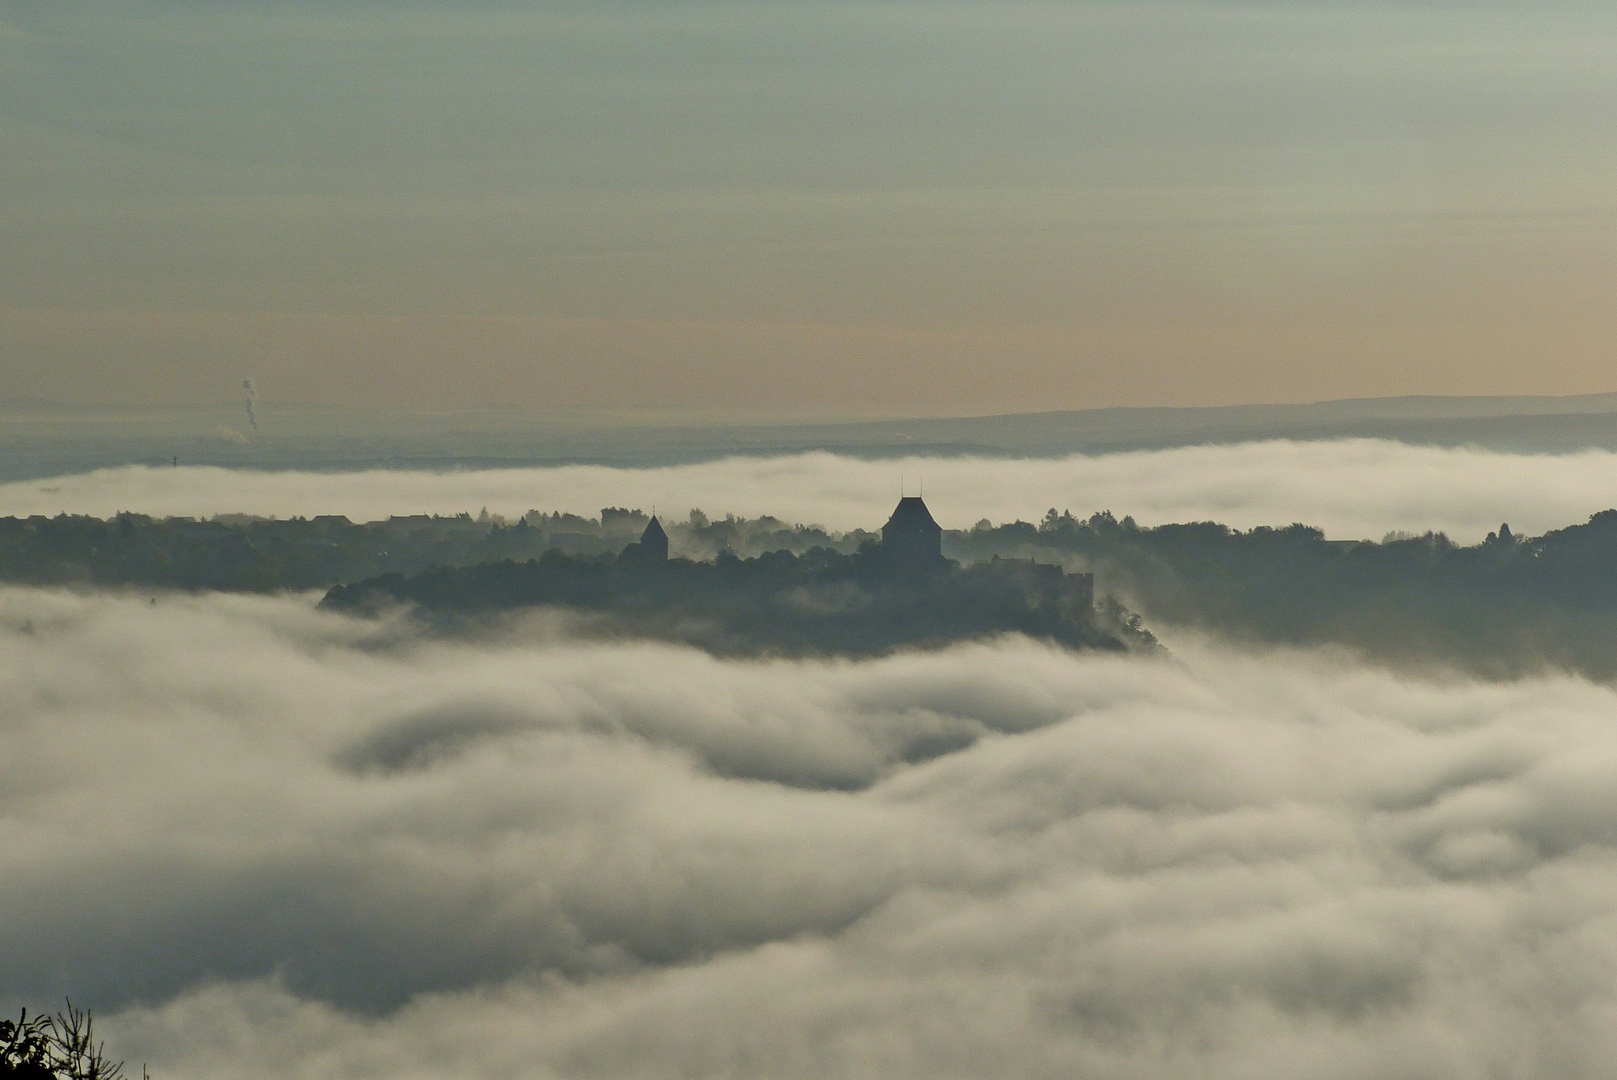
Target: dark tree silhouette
[(60, 1047)]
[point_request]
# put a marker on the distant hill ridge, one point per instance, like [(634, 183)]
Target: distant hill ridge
[(39, 439)]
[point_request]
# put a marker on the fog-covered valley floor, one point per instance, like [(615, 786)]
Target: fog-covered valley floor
[(1353, 489), (266, 841)]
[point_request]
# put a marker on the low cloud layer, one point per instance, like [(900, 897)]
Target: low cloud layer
[(265, 841), (1353, 489)]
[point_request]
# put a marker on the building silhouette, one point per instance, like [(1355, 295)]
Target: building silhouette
[(651, 547), (911, 537)]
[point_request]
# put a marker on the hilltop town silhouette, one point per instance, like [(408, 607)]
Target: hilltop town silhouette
[(1511, 604), (895, 592)]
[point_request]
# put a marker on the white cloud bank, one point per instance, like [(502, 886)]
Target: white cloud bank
[(263, 841), (1353, 489)]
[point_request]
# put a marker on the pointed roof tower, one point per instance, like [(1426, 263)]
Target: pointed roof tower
[(654, 542), (651, 547), (911, 534)]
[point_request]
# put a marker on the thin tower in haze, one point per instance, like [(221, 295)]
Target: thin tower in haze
[(252, 400)]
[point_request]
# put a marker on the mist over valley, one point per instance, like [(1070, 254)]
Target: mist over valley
[(808, 541), (1499, 601), (265, 840), (1352, 820)]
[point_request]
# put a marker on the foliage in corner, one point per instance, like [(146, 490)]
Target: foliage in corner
[(60, 1047)]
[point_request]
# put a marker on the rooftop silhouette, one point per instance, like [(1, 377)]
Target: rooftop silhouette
[(911, 536), (651, 547)]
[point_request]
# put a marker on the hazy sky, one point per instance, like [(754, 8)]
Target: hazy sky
[(806, 207)]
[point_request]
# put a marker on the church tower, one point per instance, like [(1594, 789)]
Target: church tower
[(654, 542), (651, 547), (911, 537)]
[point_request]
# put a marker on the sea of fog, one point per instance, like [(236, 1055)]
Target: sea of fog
[(1353, 489), (264, 841)]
